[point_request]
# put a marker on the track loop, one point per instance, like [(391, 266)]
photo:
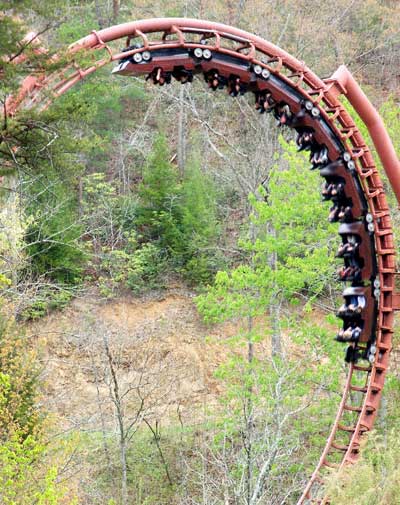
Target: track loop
[(241, 63)]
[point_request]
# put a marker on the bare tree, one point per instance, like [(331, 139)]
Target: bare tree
[(139, 385)]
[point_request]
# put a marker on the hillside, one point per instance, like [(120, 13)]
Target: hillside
[(198, 266)]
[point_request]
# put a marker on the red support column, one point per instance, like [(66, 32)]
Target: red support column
[(347, 85)]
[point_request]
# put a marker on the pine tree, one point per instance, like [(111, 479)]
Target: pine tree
[(160, 193)]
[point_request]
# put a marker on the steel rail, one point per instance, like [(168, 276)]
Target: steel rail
[(324, 96)]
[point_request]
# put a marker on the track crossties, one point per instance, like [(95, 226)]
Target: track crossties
[(239, 62)]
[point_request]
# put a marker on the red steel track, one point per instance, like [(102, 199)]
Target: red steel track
[(299, 99)]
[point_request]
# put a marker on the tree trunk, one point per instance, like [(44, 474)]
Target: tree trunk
[(80, 196), (156, 437), (275, 305), (275, 313), (249, 418), (124, 472), (181, 149), (116, 5), (239, 10), (102, 420), (99, 15), (116, 398)]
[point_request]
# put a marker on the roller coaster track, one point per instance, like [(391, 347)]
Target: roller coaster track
[(229, 58)]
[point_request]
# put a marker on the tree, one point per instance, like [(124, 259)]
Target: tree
[(19, 381), (160, 194), (375, 478), (288, 253), (293, 260), (138, 386), (30, 462), (252, 447), (200, 223), (52, 237), (30, 473)]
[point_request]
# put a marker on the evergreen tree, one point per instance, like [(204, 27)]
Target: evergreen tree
[(200, 223), (160, 193), (52, 238)]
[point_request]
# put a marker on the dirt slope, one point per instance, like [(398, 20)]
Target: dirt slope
[(159, 340)]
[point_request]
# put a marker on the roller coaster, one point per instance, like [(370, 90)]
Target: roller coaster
[(232, 59)]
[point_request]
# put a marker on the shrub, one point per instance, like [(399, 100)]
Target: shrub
[(375, 479), (50, 298), (144, 268), (18, 381), (136, 266)]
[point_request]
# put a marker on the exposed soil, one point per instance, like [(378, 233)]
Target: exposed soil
[(160, 349), (164, 334)]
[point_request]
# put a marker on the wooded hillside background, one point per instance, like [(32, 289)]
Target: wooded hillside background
[(167, 272)]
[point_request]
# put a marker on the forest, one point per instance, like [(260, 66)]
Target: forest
[(171, 274)]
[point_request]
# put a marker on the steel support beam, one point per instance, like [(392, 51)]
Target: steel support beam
[(345, 84)]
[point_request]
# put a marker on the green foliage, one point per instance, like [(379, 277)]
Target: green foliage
[(175, 213), (292, 226), (235, 294), (100, 105), (168, 226), (25, 478), (147, 480), (18, 384), (137, 267), (389, 112), (28, 464), (108, 217), (48, 299), (289, 247), (53, 234), (199, 214), (200, 224), (268, 403), (12, 33), (13, 226), (160, 194), (271, 413), (201, 267), (144, 269), (70, 30), (374, 480)]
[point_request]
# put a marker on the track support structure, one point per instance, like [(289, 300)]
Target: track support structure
[(343, 82)]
